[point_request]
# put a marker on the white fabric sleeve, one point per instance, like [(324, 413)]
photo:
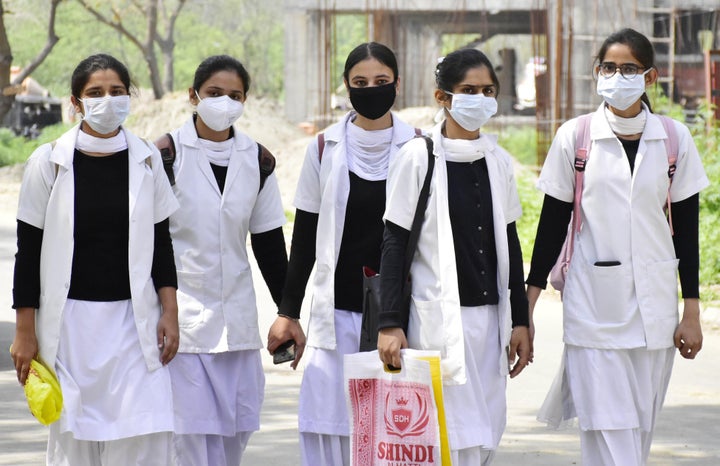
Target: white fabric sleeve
[(406, 175), (37, 182), (511, 204), (690, 177), (165, 202), (267, 213), (557, 178), (308, 193)]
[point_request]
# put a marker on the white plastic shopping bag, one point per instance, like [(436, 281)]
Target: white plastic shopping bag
[(393, 415)]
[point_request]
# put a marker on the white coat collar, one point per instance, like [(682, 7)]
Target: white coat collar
[(64, 150), (402, 132), (188, 138)]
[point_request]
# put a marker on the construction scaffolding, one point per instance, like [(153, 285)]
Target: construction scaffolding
[(554, 40)]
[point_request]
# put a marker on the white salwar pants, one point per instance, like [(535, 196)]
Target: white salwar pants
[(210, 450), (618, 395), (323, 417), (141, 450)]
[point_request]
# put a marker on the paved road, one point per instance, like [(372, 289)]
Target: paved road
[(688, 430)]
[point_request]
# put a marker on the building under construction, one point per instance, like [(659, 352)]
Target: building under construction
[(554, 41)]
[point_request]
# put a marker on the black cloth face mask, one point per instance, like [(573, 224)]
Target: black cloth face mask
[(373, 102)]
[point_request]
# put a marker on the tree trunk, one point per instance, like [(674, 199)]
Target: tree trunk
[(6, 97), (167, 49)]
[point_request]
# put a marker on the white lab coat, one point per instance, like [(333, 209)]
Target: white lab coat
[(323, 188), (47, 201), (216, 297), (634, 304), (435, 322)]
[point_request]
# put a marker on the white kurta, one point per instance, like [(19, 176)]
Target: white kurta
[(105, 354), (218, 381), (619, 321), (471, 340), (323, 188)]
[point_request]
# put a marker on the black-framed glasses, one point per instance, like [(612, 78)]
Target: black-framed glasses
[(608, 69)]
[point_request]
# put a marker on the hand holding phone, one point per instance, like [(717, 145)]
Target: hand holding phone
[(284, 352)]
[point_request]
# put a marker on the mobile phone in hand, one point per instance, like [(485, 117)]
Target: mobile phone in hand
[(284, 352)]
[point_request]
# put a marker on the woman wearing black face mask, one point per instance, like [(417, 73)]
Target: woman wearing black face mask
[(340, 202)]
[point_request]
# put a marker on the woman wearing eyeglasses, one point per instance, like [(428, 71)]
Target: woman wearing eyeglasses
[(620, 295)]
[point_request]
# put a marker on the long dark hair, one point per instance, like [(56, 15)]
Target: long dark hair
[(453, 68), (376, 50), (640, 47)]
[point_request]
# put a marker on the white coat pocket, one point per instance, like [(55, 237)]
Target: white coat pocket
[(612, 293), (425, 326), (190, 297)]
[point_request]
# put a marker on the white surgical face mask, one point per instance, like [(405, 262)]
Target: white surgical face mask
[(219, 113), (620, 92), (471, 111), (105, 114)]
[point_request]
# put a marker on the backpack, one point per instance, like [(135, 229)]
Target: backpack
[(582, 149), (321, 142), (166, 146)]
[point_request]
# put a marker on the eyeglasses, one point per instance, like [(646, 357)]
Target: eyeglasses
[(627, 70)]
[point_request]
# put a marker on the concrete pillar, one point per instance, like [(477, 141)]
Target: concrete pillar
[(418, 53)]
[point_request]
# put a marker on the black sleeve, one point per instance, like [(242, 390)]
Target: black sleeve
[(518, 298), (685, 216), (163, 267), (395, 239), (26, 278), (271, 256), (551, 232), (302, 259)]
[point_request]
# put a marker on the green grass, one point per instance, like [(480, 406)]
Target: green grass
[(16, 149)]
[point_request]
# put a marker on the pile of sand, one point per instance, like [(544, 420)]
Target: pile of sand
[(263, 120)]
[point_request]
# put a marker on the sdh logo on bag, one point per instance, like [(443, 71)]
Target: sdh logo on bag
[(408, 417)]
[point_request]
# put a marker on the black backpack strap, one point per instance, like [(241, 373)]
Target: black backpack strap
[(266, 162), (166, 146), (321, 145)]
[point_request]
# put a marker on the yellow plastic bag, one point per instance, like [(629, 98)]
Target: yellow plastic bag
[(43, 393)]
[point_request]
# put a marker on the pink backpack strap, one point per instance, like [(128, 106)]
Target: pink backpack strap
[(321, 145), (672, 147), (582, 151)]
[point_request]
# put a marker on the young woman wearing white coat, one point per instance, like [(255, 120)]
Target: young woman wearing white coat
[(218, 381), (95, 279), (467, 297), (340, 200), (620, 297)]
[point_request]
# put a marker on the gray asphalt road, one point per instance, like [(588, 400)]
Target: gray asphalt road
[(688, 431)]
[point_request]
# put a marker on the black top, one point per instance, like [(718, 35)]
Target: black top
[(360, 246), (473, 234), (100, 256), (555, 216), (361, 240)]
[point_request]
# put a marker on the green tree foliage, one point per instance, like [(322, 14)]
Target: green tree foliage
[(246, 29)]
